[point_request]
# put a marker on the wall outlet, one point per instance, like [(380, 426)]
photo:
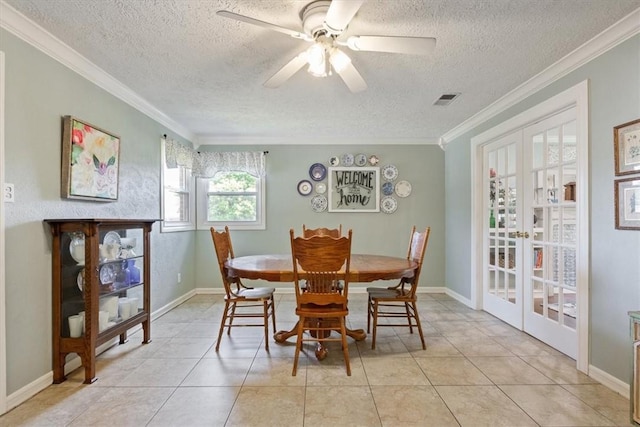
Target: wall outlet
[(179, 278), (9, 193)]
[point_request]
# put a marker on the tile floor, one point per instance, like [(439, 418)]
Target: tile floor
[(476, 371)]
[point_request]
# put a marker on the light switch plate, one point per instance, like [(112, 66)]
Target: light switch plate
[(9, 193)]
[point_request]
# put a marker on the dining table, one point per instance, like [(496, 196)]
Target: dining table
[(279, 268)]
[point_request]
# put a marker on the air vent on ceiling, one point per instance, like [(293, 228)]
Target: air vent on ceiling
[(446, 98)]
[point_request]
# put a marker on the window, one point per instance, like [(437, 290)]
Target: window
[(178, 213), (231, 198)]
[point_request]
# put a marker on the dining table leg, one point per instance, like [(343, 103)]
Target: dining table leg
[(321, 351)]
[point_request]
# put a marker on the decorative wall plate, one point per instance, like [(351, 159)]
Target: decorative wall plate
[(334, 161), (319, 203), (347, 160), (387, 188), (107, 274), (390, 172), (317, 172), (373, 160), (80, 279), (111, 238), (388, 205), (321, 188), (305, 187), (361, 159), (403, 188)]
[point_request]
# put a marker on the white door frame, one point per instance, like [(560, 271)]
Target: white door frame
[(577, 96), (3, 329)]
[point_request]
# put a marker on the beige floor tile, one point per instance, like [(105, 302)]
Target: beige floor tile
[(200, 330), (479, 346), (340, 406), (333, 373), (179, 379), (275, 372), (235, 347), (479, 406), (561, 369), (411, 406), (135, 407), (452, 371), (159, 373), (525, 345), (196, 406), (509, 370), (218, 372), (268, 406), (604, 400), (394, 371), (178, 348), (437, 346), (552, 405)]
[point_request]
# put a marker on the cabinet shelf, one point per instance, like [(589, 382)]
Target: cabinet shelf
[(97, 300)]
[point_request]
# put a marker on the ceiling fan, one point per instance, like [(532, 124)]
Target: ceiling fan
[(323, 24)]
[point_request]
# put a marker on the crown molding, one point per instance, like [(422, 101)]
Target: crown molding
[(27, 30), (619, 32), (306, 140)]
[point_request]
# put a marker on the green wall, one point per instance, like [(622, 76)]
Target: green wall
[(614, 98), (39, 90)]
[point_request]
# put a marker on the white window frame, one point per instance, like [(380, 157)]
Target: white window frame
[(172, 226), (201, 208)]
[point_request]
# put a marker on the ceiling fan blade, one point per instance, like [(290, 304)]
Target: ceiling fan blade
[(283, 30), (345, 69), (410, 45), (340, 13), (287, 71)]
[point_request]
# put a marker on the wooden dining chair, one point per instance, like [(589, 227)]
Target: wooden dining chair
[(399, 301), (321, 231), (318, 262), (240, 301)]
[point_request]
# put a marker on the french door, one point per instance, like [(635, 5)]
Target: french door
[(530, 232)]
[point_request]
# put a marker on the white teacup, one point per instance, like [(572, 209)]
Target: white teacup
[(125, 308), (75, 325), (103, 320)]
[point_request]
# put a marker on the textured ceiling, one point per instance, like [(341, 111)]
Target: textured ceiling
[(206, 72)]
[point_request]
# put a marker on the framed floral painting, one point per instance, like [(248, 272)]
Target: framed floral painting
[(626, 143), (90, 161)]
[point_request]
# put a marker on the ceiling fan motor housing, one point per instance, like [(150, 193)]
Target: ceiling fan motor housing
[(313, 16)]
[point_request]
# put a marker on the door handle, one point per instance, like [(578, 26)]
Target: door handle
[(522, 234)]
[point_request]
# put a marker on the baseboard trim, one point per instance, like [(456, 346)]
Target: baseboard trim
[(610, 381), (466, 301), (36, 386), (33, 388)]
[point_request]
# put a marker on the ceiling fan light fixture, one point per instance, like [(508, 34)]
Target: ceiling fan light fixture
[(339, 60), (318, 61)]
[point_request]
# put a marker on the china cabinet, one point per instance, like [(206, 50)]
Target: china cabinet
[(100, 286)]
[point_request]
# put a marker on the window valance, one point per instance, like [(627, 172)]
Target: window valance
[(206, 164)]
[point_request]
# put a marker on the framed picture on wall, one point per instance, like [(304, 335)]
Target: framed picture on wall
[(354, 189), (90, 161), (627, 203), (626, 143)]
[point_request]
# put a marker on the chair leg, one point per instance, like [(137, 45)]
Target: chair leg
[(345, 346), (301, 322), (224, 322), (231, 316), (417, 317), (375, 324), (406, 308), (265, 319), (273, 314), (369, 314)]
